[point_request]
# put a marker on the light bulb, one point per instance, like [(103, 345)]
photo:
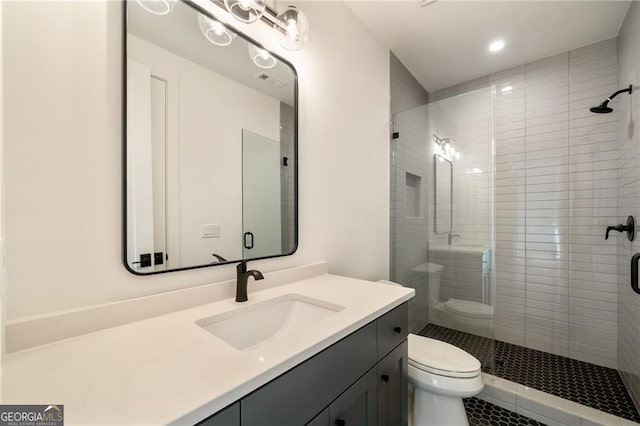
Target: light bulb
[(296, 28), (157, 7), (246, 11), (214, 31), (261, 57)]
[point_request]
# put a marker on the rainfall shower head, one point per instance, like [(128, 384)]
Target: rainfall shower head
[(604, 108)]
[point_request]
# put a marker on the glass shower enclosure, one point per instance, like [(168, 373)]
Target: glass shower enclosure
[(442, 215)]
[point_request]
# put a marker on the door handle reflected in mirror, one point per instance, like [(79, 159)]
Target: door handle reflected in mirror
[(248, 240)]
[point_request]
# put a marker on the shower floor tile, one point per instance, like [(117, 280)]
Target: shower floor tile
[(587, 384), (483, 413)]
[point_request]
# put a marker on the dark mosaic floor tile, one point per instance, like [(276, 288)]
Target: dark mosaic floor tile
[(482, 413), (588, 384)]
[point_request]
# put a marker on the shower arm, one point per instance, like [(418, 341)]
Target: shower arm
[(628, 89)]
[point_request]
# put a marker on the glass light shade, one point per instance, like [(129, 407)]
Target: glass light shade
[(296, 28), (214, 31), (246, 11), (261, 57), (157, 7)]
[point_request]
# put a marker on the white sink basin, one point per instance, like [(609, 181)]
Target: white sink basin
[(252, 325)]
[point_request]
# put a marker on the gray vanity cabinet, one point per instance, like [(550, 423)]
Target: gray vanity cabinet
[(359, 381), (357, 405), (392, 387), (230, 416)]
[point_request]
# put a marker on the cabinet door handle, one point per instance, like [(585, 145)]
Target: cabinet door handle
[(340, 422), (634, 273), (397, 329), (385, 378)]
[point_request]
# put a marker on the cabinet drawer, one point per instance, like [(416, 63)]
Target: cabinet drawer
[(392, 329), (295, 397)]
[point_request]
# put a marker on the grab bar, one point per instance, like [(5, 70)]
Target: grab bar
[(634, 272)]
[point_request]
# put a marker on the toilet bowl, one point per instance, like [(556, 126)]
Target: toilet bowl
[(464, 315), (441, 375)]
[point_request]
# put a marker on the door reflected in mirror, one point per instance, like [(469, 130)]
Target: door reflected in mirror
[(211, 140)]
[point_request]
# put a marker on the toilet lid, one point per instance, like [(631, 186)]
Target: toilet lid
[(441, 358), (476, 309)]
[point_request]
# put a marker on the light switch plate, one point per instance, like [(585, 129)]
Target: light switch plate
[(211, 231)]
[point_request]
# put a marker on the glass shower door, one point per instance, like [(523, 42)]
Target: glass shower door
[(442, 218)]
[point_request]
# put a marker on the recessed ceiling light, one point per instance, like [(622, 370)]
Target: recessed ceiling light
[(496, 46), (507, 89)]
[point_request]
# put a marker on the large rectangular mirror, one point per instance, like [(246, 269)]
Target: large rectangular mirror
[(443, 189), (211, 144)]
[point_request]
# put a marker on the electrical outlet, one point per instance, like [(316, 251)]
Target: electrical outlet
[(210, 231)]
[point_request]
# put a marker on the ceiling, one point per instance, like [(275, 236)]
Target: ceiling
[(446, 42), (178, 32)]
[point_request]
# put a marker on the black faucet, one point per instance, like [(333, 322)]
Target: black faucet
[(219, 258), (242, 281), (629, 228)]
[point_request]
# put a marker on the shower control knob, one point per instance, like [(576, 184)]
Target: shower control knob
[(629, 228)]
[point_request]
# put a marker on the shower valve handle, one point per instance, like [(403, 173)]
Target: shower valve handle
[(629, 228)]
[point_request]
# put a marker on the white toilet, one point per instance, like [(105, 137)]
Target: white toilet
[(441, 374)]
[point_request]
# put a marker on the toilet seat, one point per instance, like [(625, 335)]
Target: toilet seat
[(440, 358)]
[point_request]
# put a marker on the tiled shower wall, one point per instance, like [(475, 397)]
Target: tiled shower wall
[(556, 183), (408, 234), (628, 199)]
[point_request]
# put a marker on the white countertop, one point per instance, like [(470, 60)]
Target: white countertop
[(167, 369)]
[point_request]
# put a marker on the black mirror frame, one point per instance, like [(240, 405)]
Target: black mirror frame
[(124, 145)]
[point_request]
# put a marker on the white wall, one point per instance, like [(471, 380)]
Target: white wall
[(209, 148), (3, 280), (63, 150)]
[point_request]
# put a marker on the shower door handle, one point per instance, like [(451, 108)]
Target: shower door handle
[(634, 272)]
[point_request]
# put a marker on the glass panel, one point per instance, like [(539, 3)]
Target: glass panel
[(446, 255), (443, 195)]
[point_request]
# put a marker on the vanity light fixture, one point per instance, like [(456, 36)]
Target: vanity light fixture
[(447, 148), (291, 22), (261, 57), (214, 31), (247, 11), (157, 7), (295, 25)]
